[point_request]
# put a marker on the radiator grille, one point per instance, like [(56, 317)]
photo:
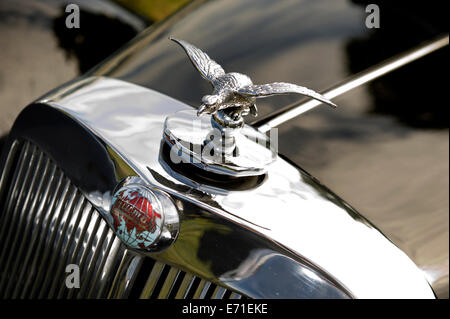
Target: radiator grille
[(46, 224)]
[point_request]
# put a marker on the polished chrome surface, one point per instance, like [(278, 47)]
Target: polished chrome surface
[(46, 224), (235, 90), (266, 241), (235, 152), (362, 148), (291, 111), (212, 242)]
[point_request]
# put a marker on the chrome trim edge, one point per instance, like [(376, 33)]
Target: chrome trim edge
[(291, 111)]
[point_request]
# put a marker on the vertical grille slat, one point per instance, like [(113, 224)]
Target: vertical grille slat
[(93, 262), (75, 244), (18, 176), (12, 158), (126, 274), (57, 242), (152, 280), (36, 228), (16, 223), (235, 296), (185, 286), (100, 277), (47, 224), (169, 283), (201, 289), (111, 263), (84, 246), (29, 216), (219, 293), (7, 215), (72, 229), (44, 222), (53, 224)]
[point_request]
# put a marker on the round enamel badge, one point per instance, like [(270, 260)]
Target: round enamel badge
[(137, 216)]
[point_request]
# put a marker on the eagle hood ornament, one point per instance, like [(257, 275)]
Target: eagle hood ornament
[(234, 90), (222, 143)]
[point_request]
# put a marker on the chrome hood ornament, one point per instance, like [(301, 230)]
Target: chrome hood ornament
[(235, 90), (221, 143)]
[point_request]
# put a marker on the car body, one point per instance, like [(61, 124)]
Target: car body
[(287, 236)]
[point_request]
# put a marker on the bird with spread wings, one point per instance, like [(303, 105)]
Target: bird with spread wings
[(236, 90)]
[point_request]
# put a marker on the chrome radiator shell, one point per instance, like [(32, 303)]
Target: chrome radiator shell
[(100, 131), (47, 224)]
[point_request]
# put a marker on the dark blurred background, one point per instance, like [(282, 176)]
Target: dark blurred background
[(39, 53), (385, 150)]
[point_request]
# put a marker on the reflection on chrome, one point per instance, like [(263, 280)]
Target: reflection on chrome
[(241, 151), (273, 237)]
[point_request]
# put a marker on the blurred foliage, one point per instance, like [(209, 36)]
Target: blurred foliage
[(154, 10)]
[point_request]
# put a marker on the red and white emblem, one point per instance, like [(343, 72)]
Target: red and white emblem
[(137, 217)]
